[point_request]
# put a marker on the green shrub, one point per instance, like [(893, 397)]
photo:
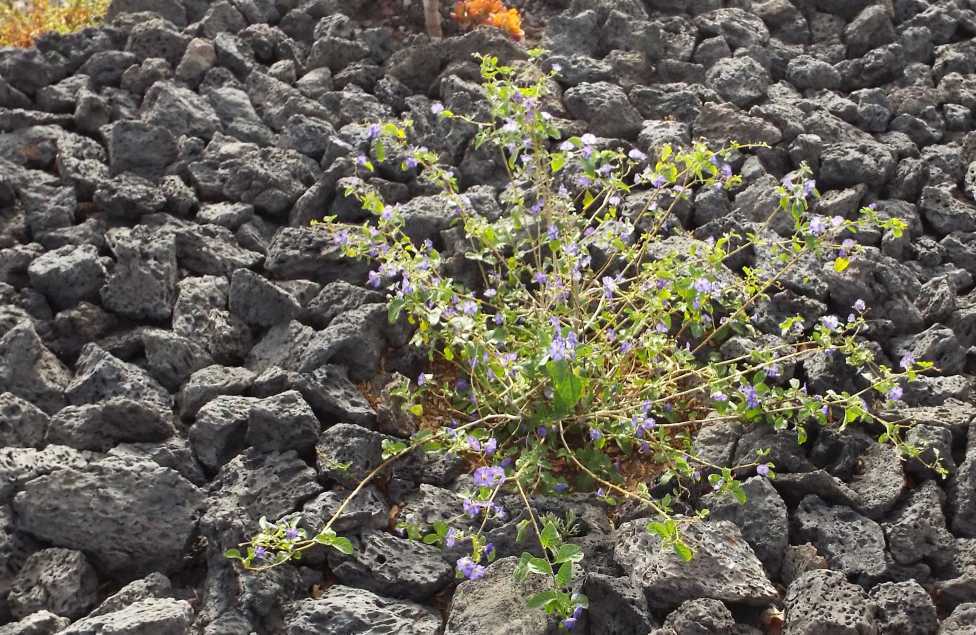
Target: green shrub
[(590, 343)]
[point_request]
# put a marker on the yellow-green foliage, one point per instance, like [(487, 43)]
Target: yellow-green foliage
[(21, 25)]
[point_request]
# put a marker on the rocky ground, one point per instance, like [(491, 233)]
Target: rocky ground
[(179, 351)]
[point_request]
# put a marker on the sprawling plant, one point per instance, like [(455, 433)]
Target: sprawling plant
[(586, 346)]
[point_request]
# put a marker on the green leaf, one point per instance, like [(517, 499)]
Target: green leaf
[(567, 386), (684, 551), (520, 529), (557, 161), (549, 536), (539, 600), (840, 264), (565, 575), (568, 553), (234, 554), (540, 565), (416, 410)]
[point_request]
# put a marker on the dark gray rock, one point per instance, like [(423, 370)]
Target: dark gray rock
[(212, 250), (154, 585), (238, 116), (344, 610), (851, 542), (847, 164), (206, 384), (40, 623), (22, 424), (157, 37), (335, 298), (102, 426), (142, 284), (128, 197), (961, 490), (141, 148), (57, 580), (935, 444), (30, 371), (366, 510), (798, 559), (256, 484), (762, 520), (495, 603), (740, 80), (871, 29), (724, 122), (282, 422), (605, 108), (171, 358), (229, 215), (327, 389), (724, 567), (882, 282), (823, 601), (354, 339), (739, 27), (392, 566), (309, 253), (68, 275), (905, 607), (281, 346), (110, 510), (179, 110), (201, 314), (151, 615), (198, 58), (617, 606), (936, 344), (945, 211), (917, 529), (879, 481), (100, 376), (19, 465), (961, 621), (258, 301), (347, 453), (271, 179), (702, 616), (809, 73), (219, 431)]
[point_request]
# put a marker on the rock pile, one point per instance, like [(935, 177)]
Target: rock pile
[(179, 349)]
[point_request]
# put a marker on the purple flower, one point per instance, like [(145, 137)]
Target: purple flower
[(752, 397), (361, 160), (489, 476), (907, 361), (563, 348), (808, 187), (552, 233), (595, 434), (896, 393), (556, 68), (472, 508), (437, 107), (260, 553), (422, 379), (470, 569), (637, 155), (491, 446), (539, 278), (762, 469), (702, 285), (291, 533), (374, 131), (658, 181), (542, 431), (451, 538), (773, 371), (726, 171), (560, 487), (626, 346), (588, 139), (846, 246), (609, 286), (469, 307), (719, 396), (600, 492), (859, 306), (375, 280), (830, 321), (817, 225), (614, 200), (584, 181), (411, 163)]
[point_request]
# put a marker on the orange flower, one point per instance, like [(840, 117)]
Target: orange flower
[(469, 13)]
